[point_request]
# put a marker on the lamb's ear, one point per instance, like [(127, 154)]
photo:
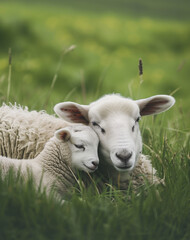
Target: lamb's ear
[(63, 134), (155, 104), (72, 112)]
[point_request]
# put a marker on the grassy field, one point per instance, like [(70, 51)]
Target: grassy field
[(110, 38)]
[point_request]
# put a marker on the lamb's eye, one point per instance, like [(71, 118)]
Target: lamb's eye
[(133, 128), (80, 146), (94, 124)]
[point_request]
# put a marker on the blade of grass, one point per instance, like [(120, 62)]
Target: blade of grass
[(9, 75), (65, 51)]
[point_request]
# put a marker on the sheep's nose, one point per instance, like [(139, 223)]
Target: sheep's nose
[(124, 155), (95, 163)]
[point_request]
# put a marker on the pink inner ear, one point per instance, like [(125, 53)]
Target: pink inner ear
[(74, 115), (153, 106)]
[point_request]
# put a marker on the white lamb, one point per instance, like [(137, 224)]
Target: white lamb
[(72, 148), (116, 121)]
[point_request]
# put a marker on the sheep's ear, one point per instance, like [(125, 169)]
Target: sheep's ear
[(63, 135), (72, 112), (155, 104)]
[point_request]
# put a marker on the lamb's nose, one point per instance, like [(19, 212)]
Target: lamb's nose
[(95, 163), (124, 156)]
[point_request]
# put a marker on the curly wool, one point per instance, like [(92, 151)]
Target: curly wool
[(144, 171), (24, 133), (51, 169), (55, 160)]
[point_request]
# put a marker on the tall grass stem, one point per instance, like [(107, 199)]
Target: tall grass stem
[(9, 75), (65, 51), (83, 86)]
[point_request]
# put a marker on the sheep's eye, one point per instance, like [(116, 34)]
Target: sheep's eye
[(80, 146), (96, 124), (138, 119)]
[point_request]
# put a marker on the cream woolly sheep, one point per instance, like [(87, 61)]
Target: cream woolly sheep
[(23, 133), (116, 121), (71, 148)]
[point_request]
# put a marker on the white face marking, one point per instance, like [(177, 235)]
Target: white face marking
[(118, 131), (84, 147)]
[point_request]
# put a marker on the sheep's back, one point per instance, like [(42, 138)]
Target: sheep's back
[(24, 133)]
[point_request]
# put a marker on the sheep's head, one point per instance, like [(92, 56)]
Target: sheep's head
[(115, 120), (83, 143)]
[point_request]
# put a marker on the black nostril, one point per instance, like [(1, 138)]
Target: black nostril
[(124, 156), (95, 163)]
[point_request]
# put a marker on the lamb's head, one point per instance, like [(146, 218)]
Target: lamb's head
[(115, 120), (83, 143)]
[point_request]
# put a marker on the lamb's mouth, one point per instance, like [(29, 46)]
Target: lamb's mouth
[(92, 169)]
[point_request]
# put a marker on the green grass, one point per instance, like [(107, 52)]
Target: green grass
[(110, 215), (109, 42)]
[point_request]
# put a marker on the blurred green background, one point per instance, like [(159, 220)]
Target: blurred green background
[(110, 37)]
